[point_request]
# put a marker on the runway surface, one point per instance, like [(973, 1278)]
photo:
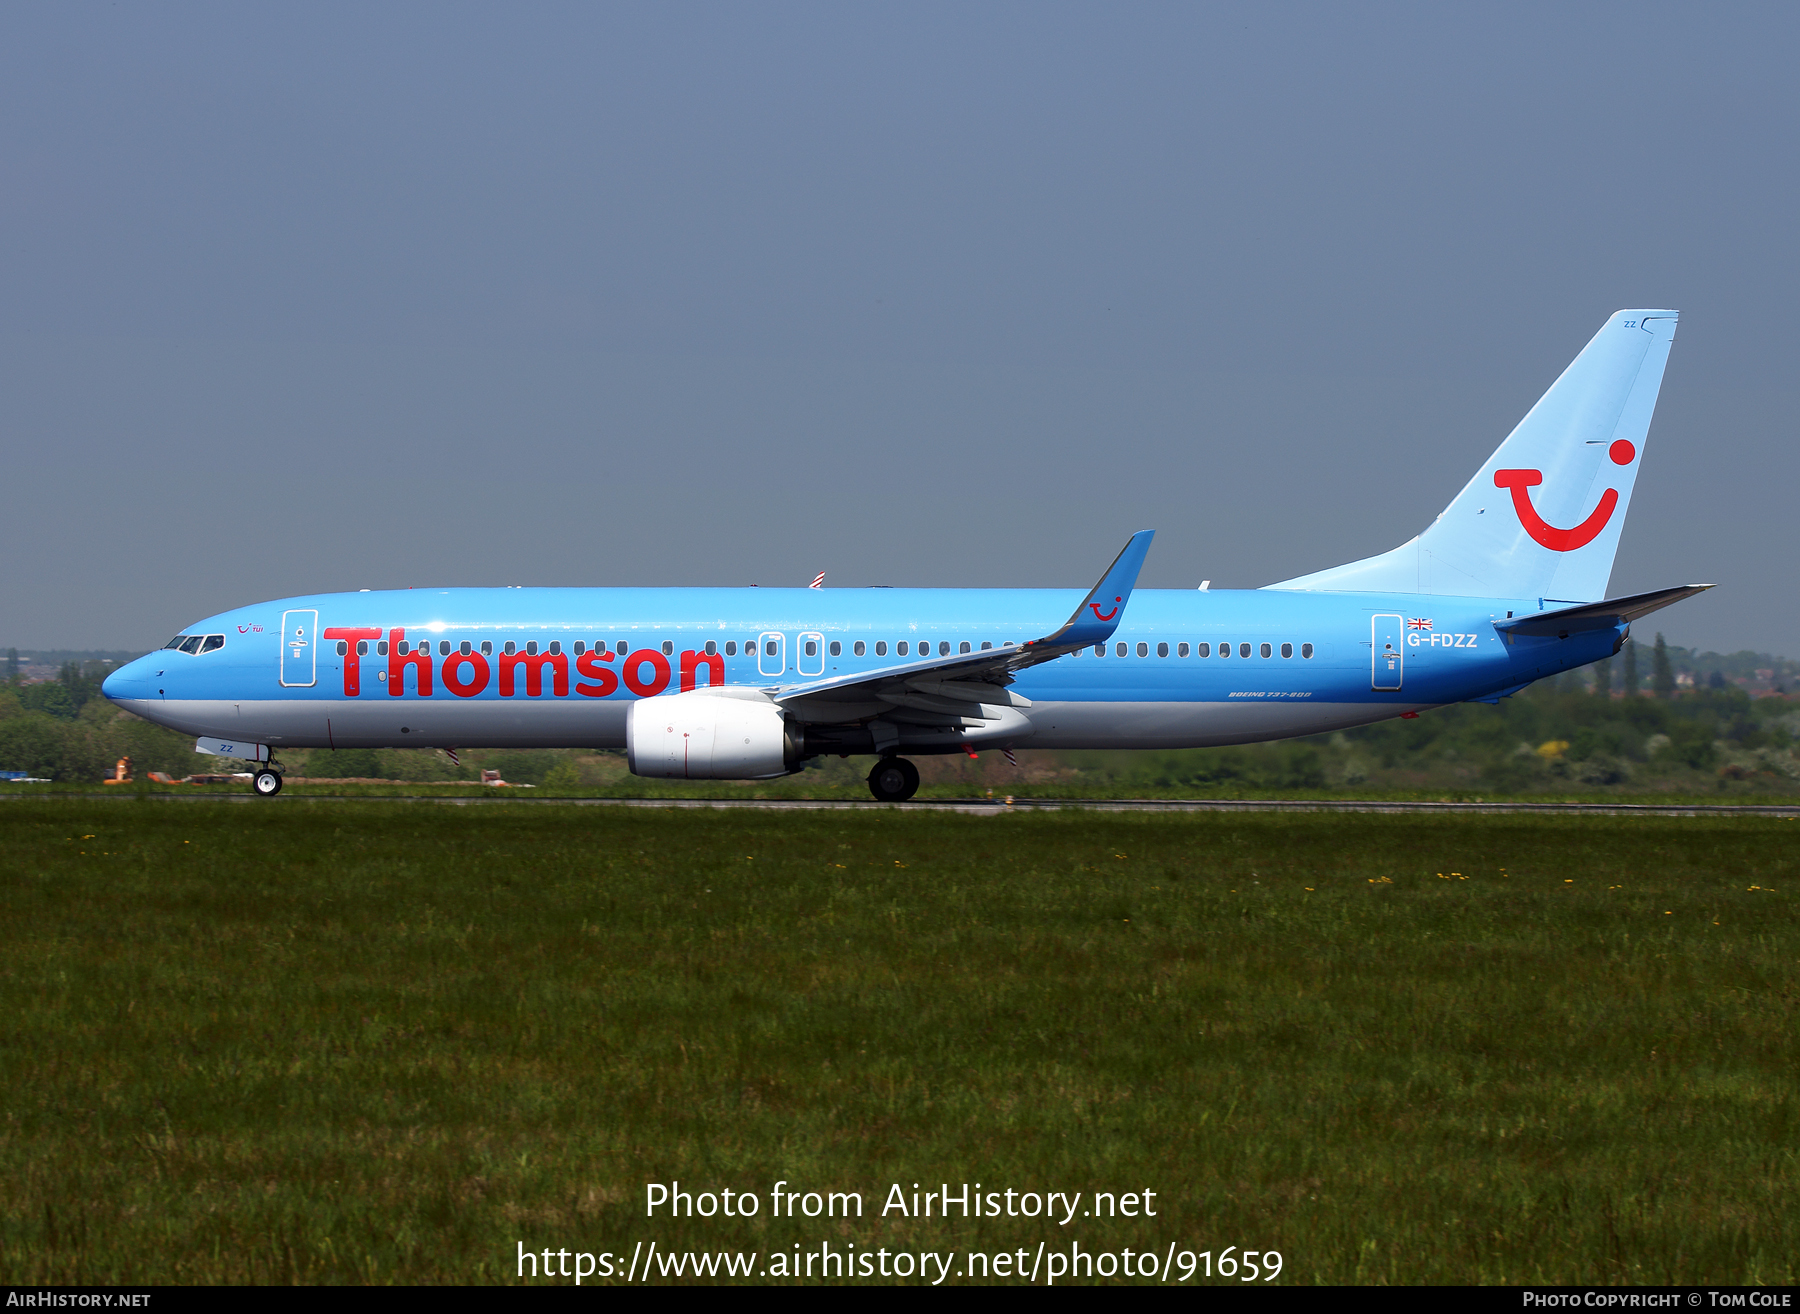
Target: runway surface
[(996, 807)]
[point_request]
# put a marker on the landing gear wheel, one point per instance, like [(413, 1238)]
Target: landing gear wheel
[(266, 782), (894, 780)]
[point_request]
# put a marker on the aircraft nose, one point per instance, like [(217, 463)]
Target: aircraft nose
[(132, 680)]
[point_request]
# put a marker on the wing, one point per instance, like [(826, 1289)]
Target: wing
[(969, 690)]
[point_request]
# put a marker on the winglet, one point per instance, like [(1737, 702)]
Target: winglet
[(1098, 615)]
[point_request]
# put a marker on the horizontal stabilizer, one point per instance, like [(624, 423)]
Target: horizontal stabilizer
[(1597, 615)]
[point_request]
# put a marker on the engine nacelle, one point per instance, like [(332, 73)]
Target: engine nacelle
[(702, 735)]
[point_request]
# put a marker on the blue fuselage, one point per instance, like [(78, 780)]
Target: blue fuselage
[(559, 667)]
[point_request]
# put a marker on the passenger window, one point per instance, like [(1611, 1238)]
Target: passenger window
[(944, 647), (900, 648), (1181, 650), (443, 647), (362, 647), (712, 649), (1266, 650), (1287, 650), (837, 649), (812, 647), (1143, 650), (487, 648), (1306, 650), (556, 647), (531, 648), (1243, 650), (1120, 649), (731, 647), (343, 648), (580, 647), (963, 646), (668, 648), (881, 647), (859, 648), (1225, 649), (750, 648), (985, 645), (509, 649), (1099, 650), (1162, 650), (191, 644), (1203, 650), (463, 647)]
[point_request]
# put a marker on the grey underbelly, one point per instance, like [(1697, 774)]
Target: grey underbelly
[(320, 723), (560, 723), (1195, 725)]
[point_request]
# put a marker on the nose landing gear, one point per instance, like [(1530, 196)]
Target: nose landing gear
[(894, 780)]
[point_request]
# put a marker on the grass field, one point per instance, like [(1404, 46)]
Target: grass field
[(347, 1042)]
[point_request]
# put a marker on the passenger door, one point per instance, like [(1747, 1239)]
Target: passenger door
[(299, 652), (810, 660), (1387, 652)]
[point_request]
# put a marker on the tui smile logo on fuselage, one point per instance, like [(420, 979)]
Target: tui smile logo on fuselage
[(1095, 608), (1542, 531)]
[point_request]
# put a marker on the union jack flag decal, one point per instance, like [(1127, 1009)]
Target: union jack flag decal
[(1421, 623)]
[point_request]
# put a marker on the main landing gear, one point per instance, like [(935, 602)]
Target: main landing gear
[(266, 781), (894, 780)]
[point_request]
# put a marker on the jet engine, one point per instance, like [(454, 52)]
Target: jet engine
[(703, 735)]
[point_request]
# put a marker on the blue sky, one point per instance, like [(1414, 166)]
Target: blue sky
[(312, 297)]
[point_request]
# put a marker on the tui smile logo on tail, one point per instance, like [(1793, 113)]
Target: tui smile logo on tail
[(1095, 608), (1541, 530)]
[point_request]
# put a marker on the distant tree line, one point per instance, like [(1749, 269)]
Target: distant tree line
[(1573, 730)]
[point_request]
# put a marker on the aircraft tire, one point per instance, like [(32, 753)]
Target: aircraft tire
[(894, 780), (266, 783)]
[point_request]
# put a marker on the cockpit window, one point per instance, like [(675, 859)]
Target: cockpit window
[(191, 643), (213, 641), (175, 642)]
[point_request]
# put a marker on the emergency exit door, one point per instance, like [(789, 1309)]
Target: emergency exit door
[(1387, 653), (771, 655)]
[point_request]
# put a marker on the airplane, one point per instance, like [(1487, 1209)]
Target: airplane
[(1507, 585)]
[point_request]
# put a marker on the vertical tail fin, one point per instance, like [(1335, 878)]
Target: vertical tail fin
[(1543, 516)]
